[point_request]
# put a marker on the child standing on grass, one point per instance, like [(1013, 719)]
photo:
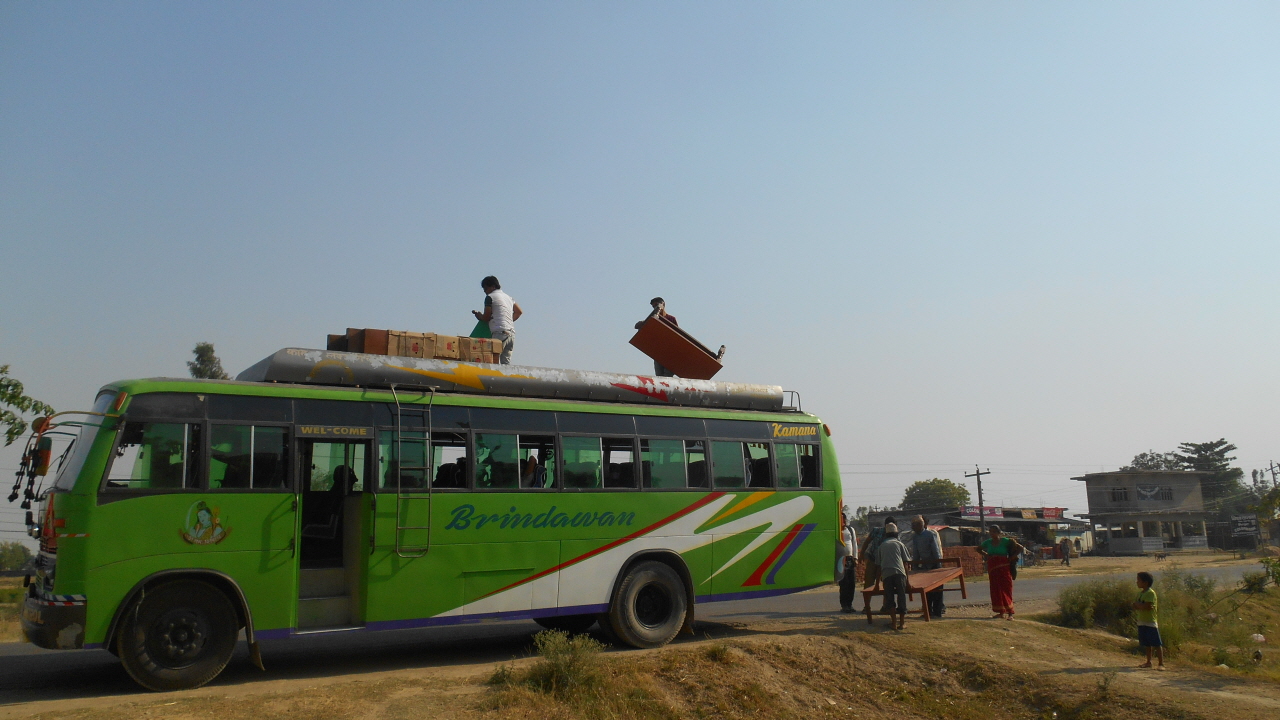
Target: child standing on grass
[(1148, 628)]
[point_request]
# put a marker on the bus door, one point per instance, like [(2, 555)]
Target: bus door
[(334, 512)]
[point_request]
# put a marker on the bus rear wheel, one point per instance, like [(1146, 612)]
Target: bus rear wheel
[(572, 624), (649, 606), (178, 636)]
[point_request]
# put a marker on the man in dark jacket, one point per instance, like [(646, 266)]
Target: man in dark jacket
[(926, 548)]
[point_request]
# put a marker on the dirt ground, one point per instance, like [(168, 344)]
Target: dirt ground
[(1109, 565), (834, 666)]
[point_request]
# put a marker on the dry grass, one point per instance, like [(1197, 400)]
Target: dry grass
[(11, 592), (850, 675)]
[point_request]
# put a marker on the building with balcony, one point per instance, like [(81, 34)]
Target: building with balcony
[(1135, 512)]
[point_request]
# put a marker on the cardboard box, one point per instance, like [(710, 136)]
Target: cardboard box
[(337, 343), (447, 347), (402, 343), (478, 349), (375, 341), (355, 340)]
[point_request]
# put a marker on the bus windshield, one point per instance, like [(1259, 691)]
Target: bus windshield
[(70, 469)]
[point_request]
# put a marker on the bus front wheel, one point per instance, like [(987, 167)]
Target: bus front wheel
[(649, 606), (178, 636)]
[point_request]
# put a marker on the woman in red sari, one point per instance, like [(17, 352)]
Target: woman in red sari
[(1000, 552)]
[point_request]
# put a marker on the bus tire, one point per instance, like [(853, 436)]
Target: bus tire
[(572, 624), (178, 636), (649, 606)]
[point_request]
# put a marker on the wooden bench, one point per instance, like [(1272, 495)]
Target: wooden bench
[(923, 582)]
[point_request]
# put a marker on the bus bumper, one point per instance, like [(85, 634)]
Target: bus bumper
[(57, 627)]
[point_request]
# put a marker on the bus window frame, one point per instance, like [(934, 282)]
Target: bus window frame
[(773, 480), (706, 444), (202, 480), (817, 455), (291, 478), (635, 470), (430, 488)]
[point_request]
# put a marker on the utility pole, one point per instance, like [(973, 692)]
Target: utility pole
[(1275, 469), (982, 509)]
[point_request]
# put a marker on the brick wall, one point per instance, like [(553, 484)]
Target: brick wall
[(970, 560)]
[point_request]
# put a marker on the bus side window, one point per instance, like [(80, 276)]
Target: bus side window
[(727, 464), (788, 466), (662, 464), (156, 456), (537, 461), (449, 460), (695, 454), (620, 462), (391, 471), (810, 472), (497, 461), (246, 456), (759, 468), (582, 463)]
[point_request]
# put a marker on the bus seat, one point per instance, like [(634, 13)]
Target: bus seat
[(621, 475), (582, 475), (760, 473), (698, 473)]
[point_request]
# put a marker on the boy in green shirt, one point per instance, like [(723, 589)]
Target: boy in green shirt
[(1145, 614)]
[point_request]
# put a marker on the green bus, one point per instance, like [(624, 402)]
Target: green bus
[(326, 492)]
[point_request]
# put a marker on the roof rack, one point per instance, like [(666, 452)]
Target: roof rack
[(325, 367)]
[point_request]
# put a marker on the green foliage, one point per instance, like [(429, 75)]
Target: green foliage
[(1223, 490), (1268, 505), (14, 403), (14, 555), (1105, 603), (1254, 581), (1191, 609), (1152, 460), (934, 493), (1271, 566), (206, 366)]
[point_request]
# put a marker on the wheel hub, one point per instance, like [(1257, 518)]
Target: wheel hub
[(653, 605), (178, 637)]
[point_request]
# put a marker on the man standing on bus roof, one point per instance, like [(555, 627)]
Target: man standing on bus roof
[(659, 310), (501, 312)]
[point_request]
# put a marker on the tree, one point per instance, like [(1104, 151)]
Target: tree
[(14, 403), (934, 493), (206, 365), (1223, 490), (1152, 460), (14, 555)]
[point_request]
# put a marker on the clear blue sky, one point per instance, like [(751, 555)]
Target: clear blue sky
[(1041, 237)]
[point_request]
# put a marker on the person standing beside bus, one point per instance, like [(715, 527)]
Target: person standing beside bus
[(501, 312)]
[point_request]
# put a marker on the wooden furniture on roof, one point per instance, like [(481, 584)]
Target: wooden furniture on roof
[(676, 349)]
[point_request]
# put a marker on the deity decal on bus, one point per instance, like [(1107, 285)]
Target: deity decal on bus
[(203, 525)]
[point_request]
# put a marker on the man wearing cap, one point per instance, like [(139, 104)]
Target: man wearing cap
[(893, 558)]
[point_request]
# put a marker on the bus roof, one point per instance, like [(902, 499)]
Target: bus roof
[(324, 367)]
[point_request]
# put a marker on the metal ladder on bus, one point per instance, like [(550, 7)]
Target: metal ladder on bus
[(408, 438)]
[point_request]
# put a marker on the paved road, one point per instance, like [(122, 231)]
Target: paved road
[(28, 673)]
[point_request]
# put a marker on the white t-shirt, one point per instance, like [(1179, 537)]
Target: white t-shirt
[(500, 319)]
